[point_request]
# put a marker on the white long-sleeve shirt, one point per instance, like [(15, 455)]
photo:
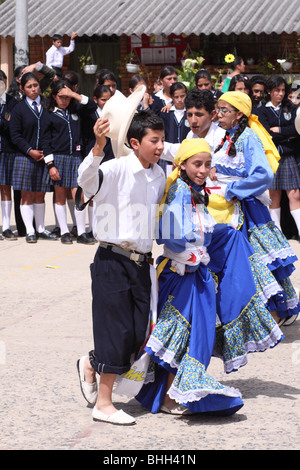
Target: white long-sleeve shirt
[(55, 55), (125, 206), (214, 136)]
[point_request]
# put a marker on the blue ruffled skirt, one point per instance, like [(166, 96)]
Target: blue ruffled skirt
[(275, 253), (186, 337)]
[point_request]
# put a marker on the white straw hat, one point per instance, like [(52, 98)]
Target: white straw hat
[(120, 110)]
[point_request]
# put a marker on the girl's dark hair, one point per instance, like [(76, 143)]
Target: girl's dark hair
[(2, 75), (57, 86), (14, 86), (143, 121), (237, 61), (100, 89), (135, 79), (202, 73), (177, 86), (240, 78), (167, 70), (198, 198), (26, 77), (243, 123), (105, 74), (71, 76), (273, 82)]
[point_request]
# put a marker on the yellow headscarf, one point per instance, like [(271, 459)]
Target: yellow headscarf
[(242, 102), (187, 149)]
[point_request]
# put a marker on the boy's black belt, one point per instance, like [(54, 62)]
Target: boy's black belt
[(132, 255)]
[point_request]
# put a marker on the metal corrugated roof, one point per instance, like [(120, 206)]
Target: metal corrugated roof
[(47, 17)]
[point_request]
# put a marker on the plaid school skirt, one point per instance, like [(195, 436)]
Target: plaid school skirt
[(28, 175), (67, 166), (287, 175), (6, 168)]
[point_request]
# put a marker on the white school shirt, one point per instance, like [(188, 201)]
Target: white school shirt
[(55, 56), (125, 206), (38, 102)]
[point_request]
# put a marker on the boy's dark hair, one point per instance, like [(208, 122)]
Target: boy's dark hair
[(258, 79), (56, 37), (200, 99), (141, 122)]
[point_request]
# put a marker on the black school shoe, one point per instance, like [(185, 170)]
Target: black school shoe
[(46, 235), (66, 238), (31, 238), (83, 238), (9, 235)]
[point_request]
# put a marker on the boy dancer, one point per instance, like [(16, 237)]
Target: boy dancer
[(124, 226), (200, 113)]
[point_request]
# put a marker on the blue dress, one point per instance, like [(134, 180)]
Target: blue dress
[(247, 176), (184, 338)]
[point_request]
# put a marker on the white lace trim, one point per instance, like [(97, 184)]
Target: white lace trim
[(292, 303), (161, 352), (272, 255), (254, 346), (221, 158), (269, 291), (196, 395)]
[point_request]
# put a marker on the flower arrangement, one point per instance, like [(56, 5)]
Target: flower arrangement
[(189, 70), (229, 58)]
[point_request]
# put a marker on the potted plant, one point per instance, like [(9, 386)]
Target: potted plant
[(87, 62), (132, 62)]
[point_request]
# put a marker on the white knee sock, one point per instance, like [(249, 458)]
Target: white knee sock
[(6, 211), (296, 216), (61, 214), (71, 207), (27, 216), (80, 221), (275, 215), (90, 216), (39, 216)]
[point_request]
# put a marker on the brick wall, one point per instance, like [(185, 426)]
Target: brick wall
[(38, 47)]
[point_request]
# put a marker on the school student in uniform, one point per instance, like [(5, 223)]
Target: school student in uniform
[(62, 143), (101, 94), (26, 129), (176, 125), (168, 76), (7, 155)]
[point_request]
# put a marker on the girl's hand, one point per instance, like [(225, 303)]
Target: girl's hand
[(147, 100), (166, 108), (66, 91), (274, 129), (212, 174), (37, 155), (54, 174)]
